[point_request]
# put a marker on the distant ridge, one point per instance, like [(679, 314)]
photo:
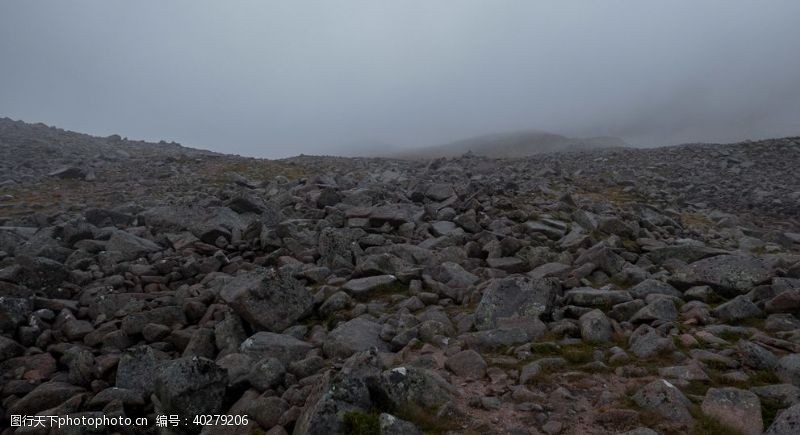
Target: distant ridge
[(514, 144)]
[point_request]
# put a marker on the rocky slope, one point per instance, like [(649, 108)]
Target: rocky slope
[(607, 291), (512, 145)]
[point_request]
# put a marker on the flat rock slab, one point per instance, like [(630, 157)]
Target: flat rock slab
[(354, 336), (362, 288), (283, 347)]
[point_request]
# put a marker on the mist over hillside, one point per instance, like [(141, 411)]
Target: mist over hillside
[(414, 217), (513, 144)]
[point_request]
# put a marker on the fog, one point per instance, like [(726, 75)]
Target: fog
[(273, 79)]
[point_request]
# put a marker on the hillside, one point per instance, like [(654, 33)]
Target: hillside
[(515, 144), (593, 292)]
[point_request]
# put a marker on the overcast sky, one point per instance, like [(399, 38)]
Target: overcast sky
[(272, 79)]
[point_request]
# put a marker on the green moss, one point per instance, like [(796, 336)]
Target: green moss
[(752, 322), (578, 353), (547, 348), (764, 377), (705, 425), (731, 336), (716, 365), (427, 420), (361, 423), (697, 388), (769, 409)]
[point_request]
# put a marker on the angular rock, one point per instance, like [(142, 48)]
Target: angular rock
[(646, 342), (660, 309), (268, 299), (130, 246), (667, 401), (284, 348), (787, 422), (363, 288), (788, 369), (738, 308), (653, 286), (595, 327), (734, 408), (730, 275), (391, 425), (515, 297), (137, 369), (354, 336), (413, 387), (190, 386), (467, 364)]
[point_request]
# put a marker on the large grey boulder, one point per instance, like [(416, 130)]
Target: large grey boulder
[(440, 191), (787, 422), (190, 386), (515, 297), (785, 395), (687, 253), (350, 390), (467, 364), (136, 369), (130, 246), (449, 279), (411, 387), (353, 336), (754, 356), (666, 400), (268, 299), (729, 275), (283, 347), (788, 369), (603, 257), (39, 274), (653, 286), (43, 397), (661, 308), (504, 336), (363, 288), (339, 248), (206, 223), (738, 308), (266, 373), (646, 342), (595, 327), (391, 425), (734, 408), (14, 312)]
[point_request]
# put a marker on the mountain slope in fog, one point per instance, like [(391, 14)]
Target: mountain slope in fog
[(514, 144)]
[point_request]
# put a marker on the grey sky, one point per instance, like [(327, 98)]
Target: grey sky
[(269, 78)]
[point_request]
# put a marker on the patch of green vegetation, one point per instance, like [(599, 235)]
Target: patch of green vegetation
[(731, 336), (712, 364), (770, 409), (696, 220), (631, 245), (361, 423), (427, 420), (578, 353), (574, 353), (752, 322), (547, 348), (697, 388), (764, 377), (705, 425), (395, 288)]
